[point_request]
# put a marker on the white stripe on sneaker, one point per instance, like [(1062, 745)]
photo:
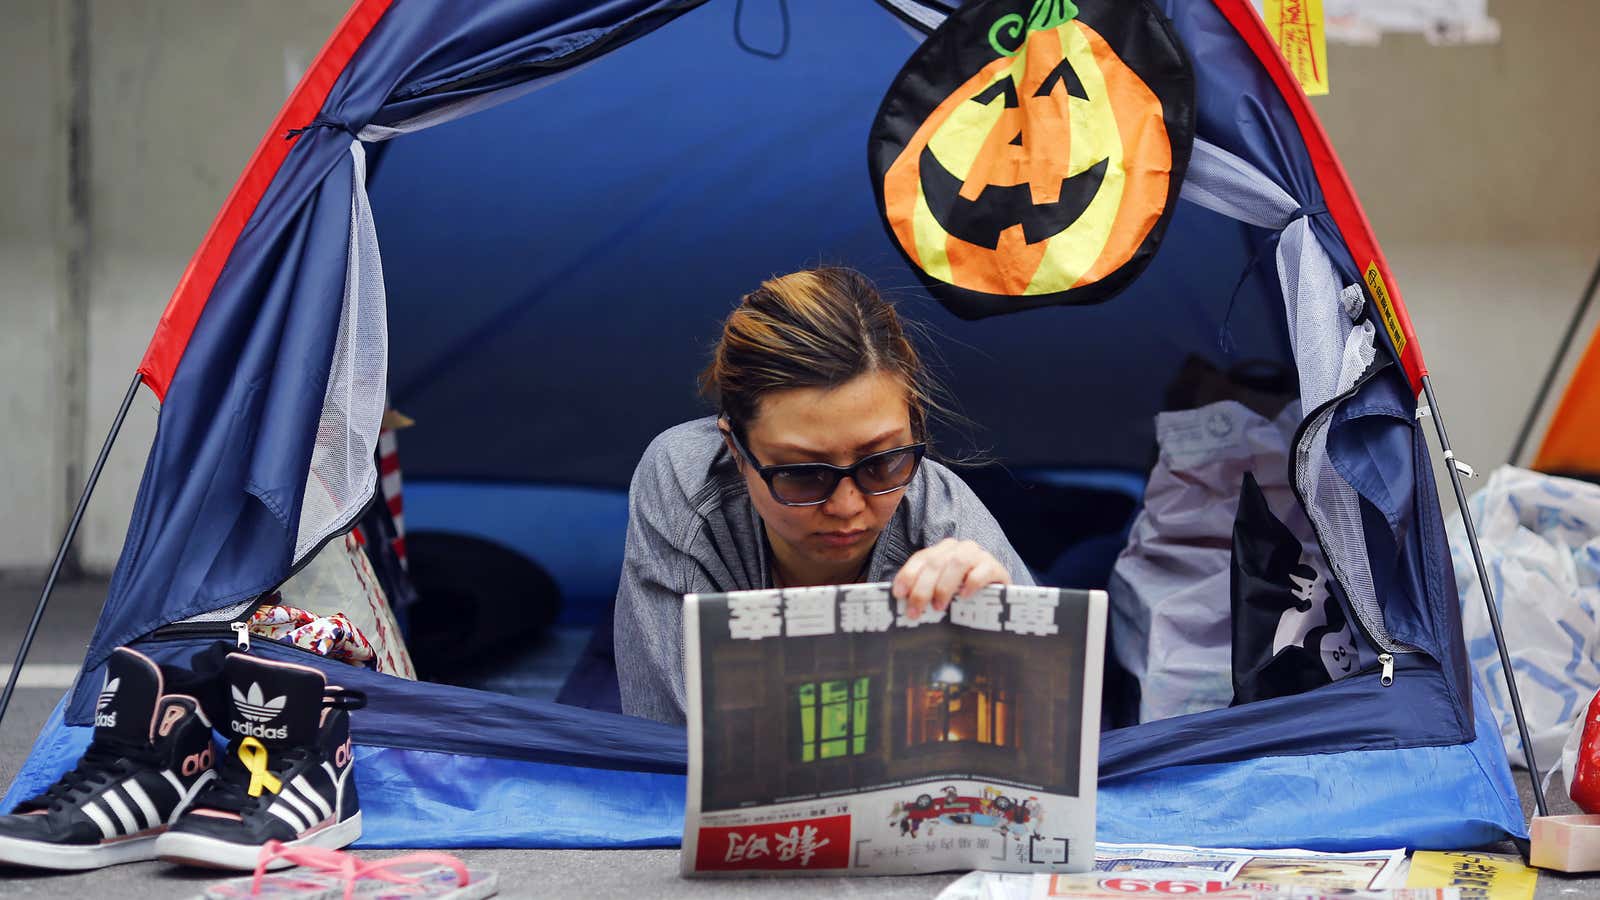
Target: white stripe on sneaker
[(101, 819), (287, 796), (305, 790), (124, 814), (282, 812), (137, 794)]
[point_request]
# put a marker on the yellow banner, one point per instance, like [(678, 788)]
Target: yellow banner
[(1380, 293), (1297, 26), (1479, 876)]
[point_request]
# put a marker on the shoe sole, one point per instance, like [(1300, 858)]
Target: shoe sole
[(215, 853), (76, 857)]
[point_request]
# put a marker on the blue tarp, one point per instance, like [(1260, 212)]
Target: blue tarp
[(1442, 797), (555, 265)]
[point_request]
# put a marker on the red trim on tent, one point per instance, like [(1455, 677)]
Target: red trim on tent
[(194, 288), (1336, 190)]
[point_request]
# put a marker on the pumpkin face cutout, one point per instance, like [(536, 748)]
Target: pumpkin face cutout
[(1022, 159)]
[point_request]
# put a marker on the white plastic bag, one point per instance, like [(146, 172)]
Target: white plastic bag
[(1170, 588), (1540, 537), (1569, 757)]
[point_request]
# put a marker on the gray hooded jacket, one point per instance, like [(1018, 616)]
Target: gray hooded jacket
[(692, 529)]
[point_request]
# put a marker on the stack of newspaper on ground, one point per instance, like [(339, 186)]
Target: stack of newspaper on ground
[(1154, 870)]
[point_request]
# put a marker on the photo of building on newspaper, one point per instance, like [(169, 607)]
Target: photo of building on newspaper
[(830, 733)]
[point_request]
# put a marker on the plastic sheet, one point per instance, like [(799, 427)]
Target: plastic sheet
[(1540, 538)]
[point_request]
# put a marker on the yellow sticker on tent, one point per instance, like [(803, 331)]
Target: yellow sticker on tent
[(1380, 293), (1297, 26), (1479, 876)]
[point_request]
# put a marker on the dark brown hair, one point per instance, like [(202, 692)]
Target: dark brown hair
[(815, 328)]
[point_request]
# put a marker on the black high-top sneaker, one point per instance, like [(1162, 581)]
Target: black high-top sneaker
[(285, 775), (150, 756)]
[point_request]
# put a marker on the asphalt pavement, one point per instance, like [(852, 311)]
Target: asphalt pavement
[(642, 874)]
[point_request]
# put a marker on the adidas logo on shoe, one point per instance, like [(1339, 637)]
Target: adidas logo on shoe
[(245, 729), (284, 777), (254, 706), (108, 693)]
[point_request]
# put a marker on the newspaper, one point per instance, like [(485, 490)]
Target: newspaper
[(1159, 870), (829, 733), (1106, 886), (1126, 858), (1478, 876), (1367, 871)]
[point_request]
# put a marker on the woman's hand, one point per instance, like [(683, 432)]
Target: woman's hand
[(939, 574)]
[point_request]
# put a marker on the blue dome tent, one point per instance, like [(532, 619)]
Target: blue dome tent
[(525, 218)]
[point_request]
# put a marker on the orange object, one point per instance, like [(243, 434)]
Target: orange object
[(992, 131), (1569, 443)]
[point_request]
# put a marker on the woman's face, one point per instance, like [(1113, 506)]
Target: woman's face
[(828, 542)]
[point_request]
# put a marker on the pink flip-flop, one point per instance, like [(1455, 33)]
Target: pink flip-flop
[(426, 875)]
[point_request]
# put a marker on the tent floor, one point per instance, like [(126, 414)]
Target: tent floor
[(523, 873)]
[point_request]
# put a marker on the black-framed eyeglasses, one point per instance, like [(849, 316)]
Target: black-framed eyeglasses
[(811, 484)]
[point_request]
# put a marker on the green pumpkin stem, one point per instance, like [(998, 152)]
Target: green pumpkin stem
[(1044, 15)]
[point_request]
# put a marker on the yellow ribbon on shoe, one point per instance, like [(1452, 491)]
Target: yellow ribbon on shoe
[(254, 756)]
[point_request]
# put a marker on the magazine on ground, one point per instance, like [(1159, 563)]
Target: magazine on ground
[(830, 733), (1367, 871), (1160, 870)]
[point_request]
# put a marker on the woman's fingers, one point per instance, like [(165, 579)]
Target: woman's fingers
[(982, 575), (922, 592), (906, 579), (935, 576), (961, 557), (915, 582)]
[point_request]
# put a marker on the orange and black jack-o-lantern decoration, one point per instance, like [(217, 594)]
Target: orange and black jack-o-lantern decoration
[(1031, 151)]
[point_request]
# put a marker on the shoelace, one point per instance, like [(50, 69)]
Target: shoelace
[(351, 868), (105, 757), (230, 790)]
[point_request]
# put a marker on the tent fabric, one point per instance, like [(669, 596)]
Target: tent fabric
[(1330, 353), (536, 323), (1226, 184), (263, 352), (194, 289), (465, 800), (343, 474), (618, 173), (1423, 798), (1440, 796), (472, 801), (1344, 226)]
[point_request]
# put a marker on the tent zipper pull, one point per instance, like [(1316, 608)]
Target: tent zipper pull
[(241, 633), (1387, 661)]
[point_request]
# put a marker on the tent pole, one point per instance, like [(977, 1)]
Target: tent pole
[(1488, 597), (66, 543), (1578, 315)]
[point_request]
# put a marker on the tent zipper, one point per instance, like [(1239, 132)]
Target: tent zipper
[(247, 608), (220, 628), (1370, 621), (238, 630)]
